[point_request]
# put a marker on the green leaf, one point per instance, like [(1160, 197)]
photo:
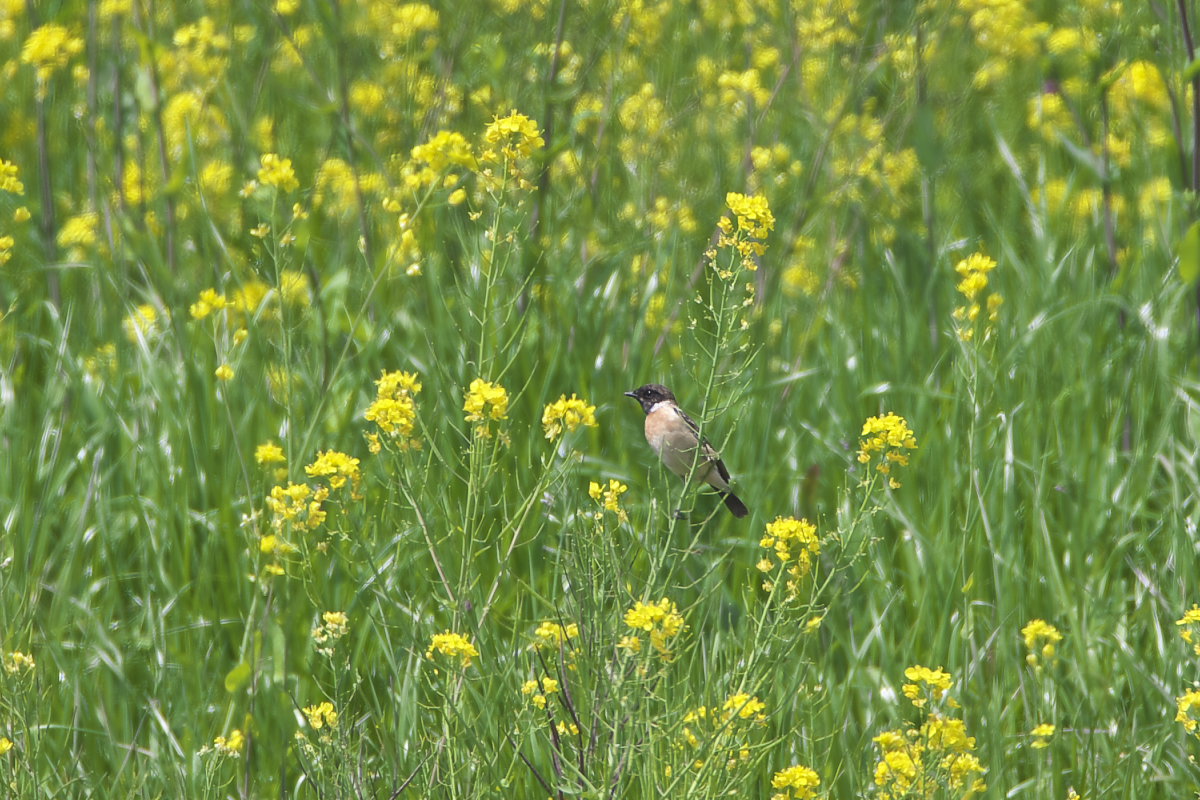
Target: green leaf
[(237, 678), (1189, 254)]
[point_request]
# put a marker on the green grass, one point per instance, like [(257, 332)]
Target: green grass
[(1055, 477)]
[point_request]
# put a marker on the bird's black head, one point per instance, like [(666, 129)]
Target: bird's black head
[(650, 394)]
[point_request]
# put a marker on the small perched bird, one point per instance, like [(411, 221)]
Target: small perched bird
[(676, 437)]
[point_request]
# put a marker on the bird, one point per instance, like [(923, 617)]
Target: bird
[(675, 437)]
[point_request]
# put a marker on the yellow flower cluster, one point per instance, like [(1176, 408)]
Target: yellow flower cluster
[(485, 401), (48, 49), (436, 159), (889, 438), (515, 136), (210, 300), (269, 453), (453, 645), (752, 222), (567, 414), (800, 783), (10, 178), (16, 662), (939, 754), (278, 172), (554, 635), (723, 731), (1189, 628), (927, 684), (338, 468), (609, 498), (297, 504), (795, 545), (230, 746), (334, 625), (537, 690), (1040, 639), (1188, 710), (973, 287), (1041, 735), (144, 324), (321, 715), (394, 409), (661, 620)]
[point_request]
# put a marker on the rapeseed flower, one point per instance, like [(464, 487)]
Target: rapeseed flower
[(144, 323), (231, 745), (1188, 710), (973, 285), (515, 136), (795, 546), (16, 662), (321, 715), (394, 409), (1040, 639), (751, 223), (337, 467), (661, 620), (609, 498), (224, 372), (210, 300), (567, 414), (10, 178), (537, 690), (1189, 627), (485, 401), (269, 453), (278, 172), (800, 782), (453, 645), (1042, 734), (48, 48), (927, 684), (888, 438)]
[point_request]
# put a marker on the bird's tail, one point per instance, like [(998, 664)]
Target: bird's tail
[(735, 504)]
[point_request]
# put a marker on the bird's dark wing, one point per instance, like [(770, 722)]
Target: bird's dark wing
[(709, 453)]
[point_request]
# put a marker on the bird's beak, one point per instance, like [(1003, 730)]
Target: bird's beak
[(631, 394)]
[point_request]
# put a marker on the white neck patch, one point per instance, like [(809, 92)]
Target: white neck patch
[(658, 405)]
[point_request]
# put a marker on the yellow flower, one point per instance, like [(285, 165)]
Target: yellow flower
[(268, 453), (453, 645), (5, 745), (801, 783), (335, 466), (889, 437), (794, 542), (49, 48), (10, 180), (144, 323), (568, 414), (661, 620), (609, 498), (555, 635), (395, 408), (1189, 624), (745, 706), (16, 661), (321, 715), (1040, 634), (752, 213), (224, 372), (485, 400), (1188, 706), (1042, 733), (210, 300), (230, 745), (927, 684), (278, 172), (516, 135)]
